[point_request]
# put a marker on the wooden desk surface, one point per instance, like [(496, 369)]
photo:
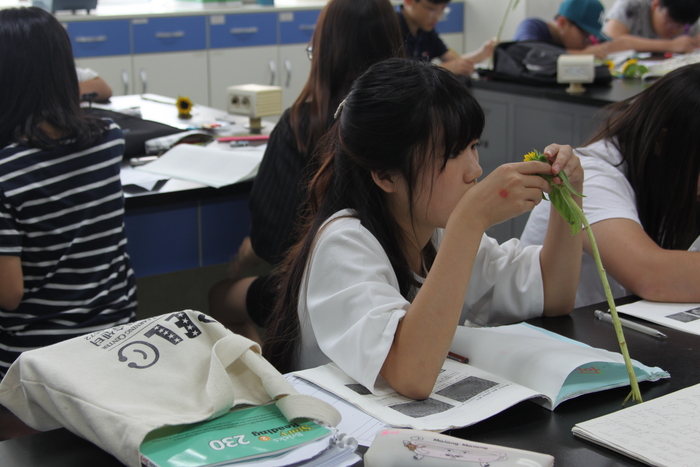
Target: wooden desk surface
[(525, 426)]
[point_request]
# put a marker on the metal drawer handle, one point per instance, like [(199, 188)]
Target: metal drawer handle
[(170, 35), (273, 71), (89, 39), (125, 81), (307, 27), (250, 30), (144, 80), (288, 67)]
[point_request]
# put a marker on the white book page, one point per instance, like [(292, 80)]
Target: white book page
[(680, 316), (207, 165), (523, 362), (661, 432), (463, 395), (540, 360)]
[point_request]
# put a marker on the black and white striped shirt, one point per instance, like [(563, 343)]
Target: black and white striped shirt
[(62, 213)]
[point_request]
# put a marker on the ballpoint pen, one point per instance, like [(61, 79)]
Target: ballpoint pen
[(603, 316)]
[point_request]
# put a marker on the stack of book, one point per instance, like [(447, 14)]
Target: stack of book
[(260, 435)]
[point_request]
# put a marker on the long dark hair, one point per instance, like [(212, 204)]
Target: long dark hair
[(38, 82), (400, 117), (350, 36), (656, 133)]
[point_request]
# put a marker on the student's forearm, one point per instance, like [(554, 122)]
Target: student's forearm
[(481, 54), (643, 44), (426, 332), (96, 85), (477, 56), (560, 260), (642, 267), (672, 276), (11, 282)]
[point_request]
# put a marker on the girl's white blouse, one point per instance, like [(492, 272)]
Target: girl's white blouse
[(350, 305)]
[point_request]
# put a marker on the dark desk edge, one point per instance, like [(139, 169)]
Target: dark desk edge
[(156, 198), (596, 95)]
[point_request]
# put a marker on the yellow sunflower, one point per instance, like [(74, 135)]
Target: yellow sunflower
[(628, 63), (184, 107), (533, 156)]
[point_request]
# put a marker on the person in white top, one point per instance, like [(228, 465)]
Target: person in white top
[(393, 255), (655, 25), (641, 187)]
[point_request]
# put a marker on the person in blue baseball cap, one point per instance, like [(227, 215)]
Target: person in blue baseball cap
[(587, 16), (577, 27)]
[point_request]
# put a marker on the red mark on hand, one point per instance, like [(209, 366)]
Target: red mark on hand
[(503, 193)]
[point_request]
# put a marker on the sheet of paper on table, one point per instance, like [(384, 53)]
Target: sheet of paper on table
[(210, 166)]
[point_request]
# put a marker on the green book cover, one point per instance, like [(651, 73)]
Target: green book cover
[(239, 435)]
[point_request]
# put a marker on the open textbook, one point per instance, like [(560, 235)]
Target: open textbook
[(658, 69), (507, 364), (681, 316), (662, 432)]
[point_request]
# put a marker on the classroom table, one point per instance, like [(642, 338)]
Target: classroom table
[(595, 94), (525, 425), (181, 225)]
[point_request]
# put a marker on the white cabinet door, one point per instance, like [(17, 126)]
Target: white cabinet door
[(116, 71), (295, 67), (172, 74), (242, 65), (170, 56)]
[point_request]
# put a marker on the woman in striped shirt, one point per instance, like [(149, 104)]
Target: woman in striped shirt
[(64, 269)]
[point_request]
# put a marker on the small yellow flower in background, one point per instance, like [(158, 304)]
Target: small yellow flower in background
[(632, 69), (627, 64), (184, 107), (610, 64)]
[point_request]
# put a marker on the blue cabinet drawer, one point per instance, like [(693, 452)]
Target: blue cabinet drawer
[(297, 27), (225, 221), (170, 34), (99, 38), (163, 239), (453, 21), (242, 30)]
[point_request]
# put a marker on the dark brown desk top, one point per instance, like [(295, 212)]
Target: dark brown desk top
[(525, 426), (529, 426), (596, 95)]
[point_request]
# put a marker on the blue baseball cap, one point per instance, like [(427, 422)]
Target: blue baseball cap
[(586, 14)]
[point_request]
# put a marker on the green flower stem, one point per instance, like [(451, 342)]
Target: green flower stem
[(634, 394), (512, 5)]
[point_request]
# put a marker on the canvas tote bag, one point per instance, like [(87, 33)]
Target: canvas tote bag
[(112, 387)]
